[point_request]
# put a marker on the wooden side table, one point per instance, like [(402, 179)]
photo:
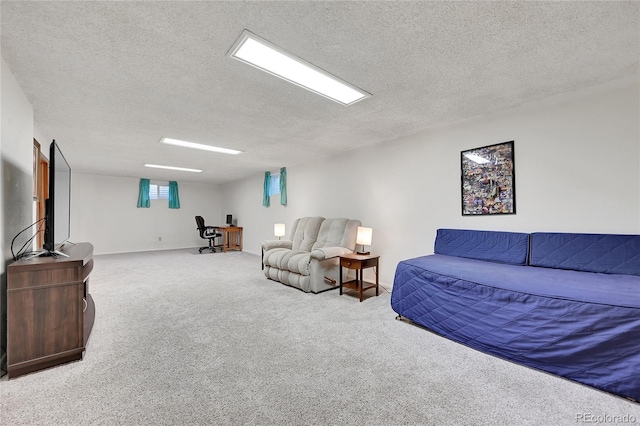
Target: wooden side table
[(359, 262)]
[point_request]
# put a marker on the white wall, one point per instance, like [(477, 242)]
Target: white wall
[(17, 166), (16, 188), (577, 162), (104, 212)]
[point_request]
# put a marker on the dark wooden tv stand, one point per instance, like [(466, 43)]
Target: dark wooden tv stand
[(50, 312)]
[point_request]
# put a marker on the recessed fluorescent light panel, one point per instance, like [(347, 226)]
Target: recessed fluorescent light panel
[(181, 169), (264, 55), (203, 147)]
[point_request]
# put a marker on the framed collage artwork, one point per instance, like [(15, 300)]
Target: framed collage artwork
[(488, 180)]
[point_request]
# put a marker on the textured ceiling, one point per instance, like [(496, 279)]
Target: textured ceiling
[(107, 80)]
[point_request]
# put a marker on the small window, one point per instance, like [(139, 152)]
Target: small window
[(158, 192), (274, 186)]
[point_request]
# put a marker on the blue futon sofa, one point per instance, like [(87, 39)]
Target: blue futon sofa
[(568, 304)]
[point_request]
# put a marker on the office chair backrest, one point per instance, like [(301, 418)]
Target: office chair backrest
[(201, 227)]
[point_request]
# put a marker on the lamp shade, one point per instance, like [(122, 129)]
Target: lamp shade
[(364, 236), (278, 230)]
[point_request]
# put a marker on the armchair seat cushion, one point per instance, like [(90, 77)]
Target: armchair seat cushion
[(289, 260)]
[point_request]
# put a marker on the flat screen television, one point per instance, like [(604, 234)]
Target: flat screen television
[(58, 205)]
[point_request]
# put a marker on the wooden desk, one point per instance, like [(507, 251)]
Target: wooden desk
[(359, 262), (231, 238)]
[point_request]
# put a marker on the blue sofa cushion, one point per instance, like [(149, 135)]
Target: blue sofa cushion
[(606, 253), (493, 246)]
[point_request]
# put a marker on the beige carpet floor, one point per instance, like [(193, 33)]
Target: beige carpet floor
[(184, 339)]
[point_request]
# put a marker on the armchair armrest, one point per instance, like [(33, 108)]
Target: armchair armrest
[(329, 252), (271, 244)]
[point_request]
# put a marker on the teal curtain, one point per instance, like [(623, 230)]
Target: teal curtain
[(174, 199), (266, 197), (143, 194), (283, 186)]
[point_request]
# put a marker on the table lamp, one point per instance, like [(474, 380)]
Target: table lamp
[(364, 237), (278, 230)]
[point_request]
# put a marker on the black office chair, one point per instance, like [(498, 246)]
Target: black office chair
[(208, 233)]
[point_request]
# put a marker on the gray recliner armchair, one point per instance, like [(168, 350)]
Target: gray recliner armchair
[(310, 259)]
